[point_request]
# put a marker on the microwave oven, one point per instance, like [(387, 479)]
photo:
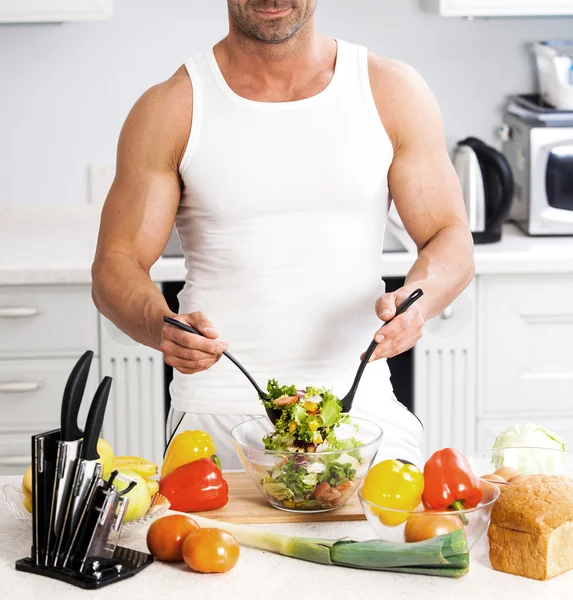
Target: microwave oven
[(538, 144)]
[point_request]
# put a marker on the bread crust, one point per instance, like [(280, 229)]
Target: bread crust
[(531, 530), (535, 504)]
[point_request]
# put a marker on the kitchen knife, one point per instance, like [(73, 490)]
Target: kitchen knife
[(86, 511), (100, 532), (107, 530), (115, 531), (100, 524), (44, 450), (96, 526), (99, 535), (87, 468), (73, 394), (67, 450)]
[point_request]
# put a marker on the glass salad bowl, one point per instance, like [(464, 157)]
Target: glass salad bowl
[(395, 525), (514, 462), (307, 481), (14, 497)]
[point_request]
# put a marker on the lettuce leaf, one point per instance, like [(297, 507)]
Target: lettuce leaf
[(330, 411), (278, 490), (275, 391), (529, 436)]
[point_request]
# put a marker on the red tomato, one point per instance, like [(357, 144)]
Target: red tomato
[(165, 537), (210, 550)]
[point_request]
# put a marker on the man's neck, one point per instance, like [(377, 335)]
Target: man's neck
[(281, 63)]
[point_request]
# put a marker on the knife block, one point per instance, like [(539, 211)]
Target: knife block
[(95, 571), (131, 561)]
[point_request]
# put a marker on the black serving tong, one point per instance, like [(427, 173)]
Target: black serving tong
[(272, 414), (348, 400)]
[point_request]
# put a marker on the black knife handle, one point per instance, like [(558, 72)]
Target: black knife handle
[(94, 421), (72, 399)]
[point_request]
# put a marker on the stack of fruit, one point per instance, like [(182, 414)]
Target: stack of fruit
[(191, 477), (192, 481), (204, 549), (134, 468), (446, 484), (142, 472)]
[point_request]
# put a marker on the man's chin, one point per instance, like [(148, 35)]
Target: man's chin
[(273, 37)]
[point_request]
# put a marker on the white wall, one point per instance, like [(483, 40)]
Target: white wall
[(66, 89)]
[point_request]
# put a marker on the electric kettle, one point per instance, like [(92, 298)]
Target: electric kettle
[(487, 184)]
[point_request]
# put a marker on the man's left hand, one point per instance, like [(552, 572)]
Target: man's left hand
[(404, 330)]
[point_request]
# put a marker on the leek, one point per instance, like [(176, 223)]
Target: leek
[(444, 556)]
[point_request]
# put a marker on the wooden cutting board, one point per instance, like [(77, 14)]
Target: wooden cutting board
[(247, 505)]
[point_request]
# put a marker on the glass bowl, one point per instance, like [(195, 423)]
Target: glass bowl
[(14, 501), (473, 521), (527, 461), (306, 481)]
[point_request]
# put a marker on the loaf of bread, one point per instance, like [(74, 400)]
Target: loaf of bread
[(531, 530)]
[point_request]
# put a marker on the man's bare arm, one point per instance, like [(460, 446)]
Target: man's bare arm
[(428, 197), (136, 223)]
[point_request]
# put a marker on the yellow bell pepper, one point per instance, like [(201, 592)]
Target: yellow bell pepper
[(310, 407), (396, 485), (186, 447)]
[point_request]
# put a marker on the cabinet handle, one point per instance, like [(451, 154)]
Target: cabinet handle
[(17, 387), (18, 312), (14, 461), (447, 313)]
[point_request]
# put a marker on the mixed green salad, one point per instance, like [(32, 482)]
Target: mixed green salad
[(308, 424)]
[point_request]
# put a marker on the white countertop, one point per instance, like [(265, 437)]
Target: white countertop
[(263, 575), (53, 245)]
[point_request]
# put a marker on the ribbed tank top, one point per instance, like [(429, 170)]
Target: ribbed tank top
[(281, 222)]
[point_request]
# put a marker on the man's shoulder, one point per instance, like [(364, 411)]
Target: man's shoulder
[(168, 96), (166, 107), (392, 75), (401, 95), (161, 117)]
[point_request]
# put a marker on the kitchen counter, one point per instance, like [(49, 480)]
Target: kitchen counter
[(55, 245), (263, 575)]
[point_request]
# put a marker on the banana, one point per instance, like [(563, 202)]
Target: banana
[(27, 480), (153, 486), (27, 501), (138, 465)]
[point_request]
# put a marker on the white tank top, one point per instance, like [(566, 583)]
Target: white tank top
[(282, 222)]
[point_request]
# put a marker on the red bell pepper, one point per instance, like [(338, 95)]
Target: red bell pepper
[(195, 487), (449, 482)]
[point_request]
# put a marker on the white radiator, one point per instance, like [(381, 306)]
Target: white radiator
[(135, 417), (444, 378)]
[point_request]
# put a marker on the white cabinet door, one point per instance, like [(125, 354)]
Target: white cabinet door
[(42, 321), (500, 8), (15, 453), (525, 346), (42, 11), (31, 393), (444, 377)]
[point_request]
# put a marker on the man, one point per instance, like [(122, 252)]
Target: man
[(276, 152)]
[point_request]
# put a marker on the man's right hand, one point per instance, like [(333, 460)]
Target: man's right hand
[(187, 352)]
